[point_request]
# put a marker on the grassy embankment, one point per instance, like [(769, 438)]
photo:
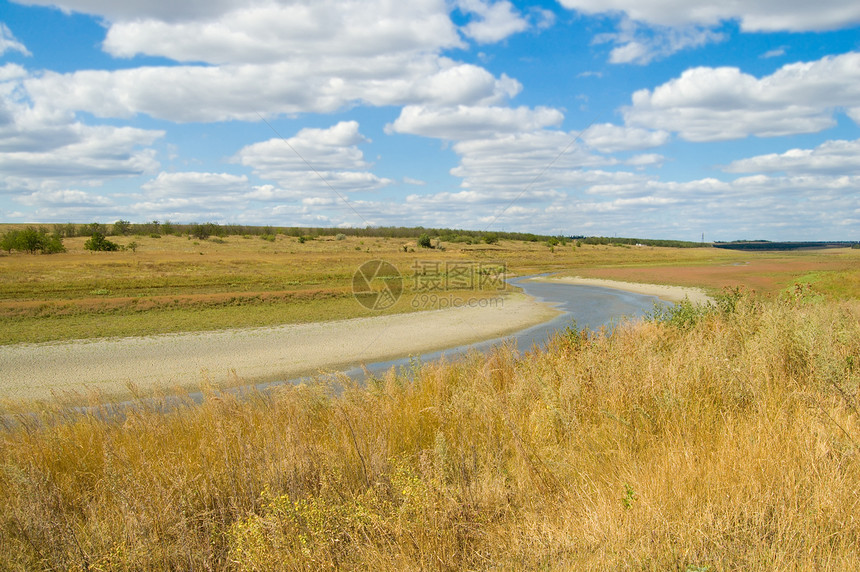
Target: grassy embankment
[(714, 440), (177, 284)]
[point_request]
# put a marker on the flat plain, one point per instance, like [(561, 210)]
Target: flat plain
[(716, 437)]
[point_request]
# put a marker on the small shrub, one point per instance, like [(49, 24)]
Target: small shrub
[(99, 243), (424, 241), (340, 236)]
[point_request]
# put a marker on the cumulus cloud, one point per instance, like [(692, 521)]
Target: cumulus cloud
[(276, 57), (313, 161), (653, 29), (192, 183), (64, 198), (494, 21), (289, 31), (609, 138), (472, 122), (200, 93), (531, 163), (759, 16), (8, 43), (710, 104), (831, 157)]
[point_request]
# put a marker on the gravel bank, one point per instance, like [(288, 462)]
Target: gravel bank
[(35, 371)]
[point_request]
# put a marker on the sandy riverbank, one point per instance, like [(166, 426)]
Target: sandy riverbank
[(667, 293), (34, 371)]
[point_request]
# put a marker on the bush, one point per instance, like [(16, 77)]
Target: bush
[(99, 243), (424, 241), (340, 236), (31, 241)]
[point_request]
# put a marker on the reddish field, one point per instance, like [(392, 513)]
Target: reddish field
[(760, 275)]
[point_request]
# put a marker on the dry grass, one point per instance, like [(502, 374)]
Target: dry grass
[(729, 441)]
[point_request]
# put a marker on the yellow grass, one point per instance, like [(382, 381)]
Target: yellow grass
[(726, 441)]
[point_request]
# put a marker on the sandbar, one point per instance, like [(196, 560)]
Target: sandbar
[(106, 367), (667, 293)]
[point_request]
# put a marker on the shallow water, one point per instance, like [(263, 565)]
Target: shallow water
[(589, 307)]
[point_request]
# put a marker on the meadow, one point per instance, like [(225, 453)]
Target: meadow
[(703, 438), (182, 284)]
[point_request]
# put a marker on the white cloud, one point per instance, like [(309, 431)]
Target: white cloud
[(709, 104), (496, 20), (758, 16), (64, 198), (609, 138), (531, 163), (831, 157), (192, 183), (8, 43), (639, 44), (280, 31), (472, 122), (775, 53), (43, 148), (199, 93), (313, 161), (646, 160)]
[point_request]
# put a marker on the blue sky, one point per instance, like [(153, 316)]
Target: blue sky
[(648, 118)]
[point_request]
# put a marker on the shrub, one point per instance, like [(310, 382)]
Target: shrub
[(340, 236), (424, 241), (99, 243)]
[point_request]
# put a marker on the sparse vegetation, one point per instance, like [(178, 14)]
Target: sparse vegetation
[(729, 443)]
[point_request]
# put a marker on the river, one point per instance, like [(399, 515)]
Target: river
[(589, 307)]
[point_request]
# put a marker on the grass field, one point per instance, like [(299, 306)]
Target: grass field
[(721, 438), (726, 440), (174, 284)]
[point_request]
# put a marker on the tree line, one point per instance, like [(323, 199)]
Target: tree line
[(33, 240)]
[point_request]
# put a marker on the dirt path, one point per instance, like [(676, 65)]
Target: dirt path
[(34, 371)]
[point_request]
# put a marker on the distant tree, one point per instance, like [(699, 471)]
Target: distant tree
[(121, 227), (99, 243), (491, 238), (132, 246), (200, 231), (31, 240)]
